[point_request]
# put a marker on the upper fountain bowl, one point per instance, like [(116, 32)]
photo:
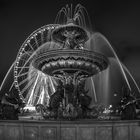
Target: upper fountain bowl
[(69, 31)]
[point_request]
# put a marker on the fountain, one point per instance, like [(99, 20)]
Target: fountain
[(67, 71)]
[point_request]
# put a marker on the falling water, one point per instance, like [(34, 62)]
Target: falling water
[(79, 16), (105, 85), (102, 86), (94, 91), (97, 40), (135, 83), (6, 76)]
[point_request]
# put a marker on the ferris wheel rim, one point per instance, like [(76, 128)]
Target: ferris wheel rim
[(24, 44)]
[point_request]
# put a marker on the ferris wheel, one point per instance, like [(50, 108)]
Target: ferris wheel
[(33, 85)]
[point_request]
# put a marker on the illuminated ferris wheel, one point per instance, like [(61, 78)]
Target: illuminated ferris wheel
[(34, 86)]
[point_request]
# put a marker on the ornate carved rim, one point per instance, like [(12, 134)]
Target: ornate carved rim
[(53, 61)]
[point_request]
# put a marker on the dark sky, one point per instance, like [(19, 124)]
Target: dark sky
[(118, 21)]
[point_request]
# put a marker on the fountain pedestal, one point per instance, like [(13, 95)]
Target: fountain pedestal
[(70, 130)]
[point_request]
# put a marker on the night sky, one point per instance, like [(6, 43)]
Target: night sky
[(118, 21)]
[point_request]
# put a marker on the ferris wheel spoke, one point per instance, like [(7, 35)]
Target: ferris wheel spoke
[(26, 67), (51, 84), (36, 41), (33, 78), (27, 87), (22, 59), (42, 38), (33, 43), (25, 52), (29, 84), (23, 81), (25, 55), (31, 46), (32, 75), (25, 64), (11, 86), (23, 74), (54, 80), (32, 91), (36, 91)]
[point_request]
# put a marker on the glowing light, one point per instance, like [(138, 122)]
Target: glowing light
[(39, 92)]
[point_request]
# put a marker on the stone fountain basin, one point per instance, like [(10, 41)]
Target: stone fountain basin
[(52, 62)]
